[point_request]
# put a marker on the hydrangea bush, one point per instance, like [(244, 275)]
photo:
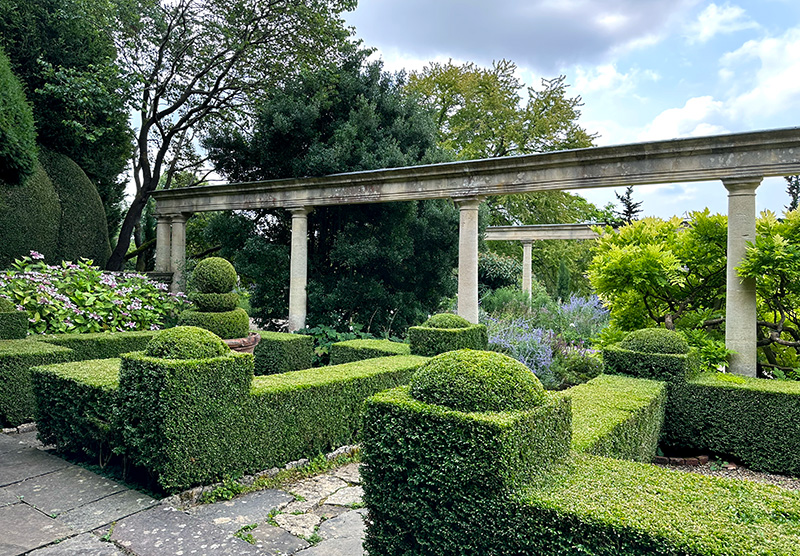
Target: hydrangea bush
[(79, 298)]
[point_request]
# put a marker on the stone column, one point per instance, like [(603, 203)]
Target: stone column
[(163, 231), (527, 263), (298, 278), (740, 307), (178, 250), (468, 257)]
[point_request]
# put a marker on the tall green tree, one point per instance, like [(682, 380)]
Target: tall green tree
[(17, 132), (62, 53), (793, 189), (195, 64), (488, 112), (629, 209), (385, 266)]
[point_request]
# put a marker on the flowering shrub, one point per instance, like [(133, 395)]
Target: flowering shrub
[(81, 298)]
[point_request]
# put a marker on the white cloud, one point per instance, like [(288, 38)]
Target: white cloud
[(715, 20), (606, 78), (695, 118)]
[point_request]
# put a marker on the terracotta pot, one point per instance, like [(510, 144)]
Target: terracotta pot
[(244, 345)]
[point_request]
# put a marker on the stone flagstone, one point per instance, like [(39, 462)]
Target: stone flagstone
[(22, 529), (349, 473), (347, 525), (302, 525), (348, 496), (335, 547), (251, 508), (276, 541), (82, 545), (315, 489), (25, 463), (106, 510)]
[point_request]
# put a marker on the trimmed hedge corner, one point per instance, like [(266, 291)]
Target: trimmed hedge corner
[(655, 366), (101, 345), (754, 420), (76, 405), (278, 352), (358, 350), (17, 404), (13, 323), (436, 480), (618, 417), (429, 341)]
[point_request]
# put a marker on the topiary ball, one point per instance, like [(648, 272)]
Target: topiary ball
[(186, 342), (446, 320), (7, 306), (471, 380), (655, 340), (214, 275)]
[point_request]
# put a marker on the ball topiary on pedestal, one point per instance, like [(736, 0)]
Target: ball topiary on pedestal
[(469, 380), (216, 311), (446, 332), (655, 353)]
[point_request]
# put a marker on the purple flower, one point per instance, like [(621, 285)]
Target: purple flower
[(155, 327), (36, 256), (130, 324)]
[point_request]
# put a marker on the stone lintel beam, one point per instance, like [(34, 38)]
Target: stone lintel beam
[(540, 232), (298, 278), (740, 294), (468, 257), (762, 153)]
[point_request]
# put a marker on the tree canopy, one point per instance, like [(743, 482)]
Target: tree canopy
[(386, 265), (17, 132)]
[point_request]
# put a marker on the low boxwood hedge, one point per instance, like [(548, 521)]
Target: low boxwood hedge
[(754, 420), (614, 507), (429, 341), (655, 366), (76, 406), (16, 359), (226, 325), (13, 323), (358, 350), (278, 352), (437, 480), (618, 417), (101, 345)]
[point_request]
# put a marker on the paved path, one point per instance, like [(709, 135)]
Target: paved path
[(49, 507)]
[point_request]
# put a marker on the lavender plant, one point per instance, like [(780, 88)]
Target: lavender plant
[(79, 297)]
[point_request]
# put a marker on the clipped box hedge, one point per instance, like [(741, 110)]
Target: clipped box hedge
[(358, 350), (101, 345), (13, 325), (17, 357), (76, 405), (618, 417), (226, 324), (655, 366), (278, 352), (621, 508), (428, 341), (754, 420), (437, 480)]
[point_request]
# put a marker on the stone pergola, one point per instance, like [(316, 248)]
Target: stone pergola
[(528, 234), (740, 161)]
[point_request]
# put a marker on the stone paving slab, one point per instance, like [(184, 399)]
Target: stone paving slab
[(164, 530), (25, 463), (276, 541), (106, 510), (348, 525), (315, 489), (349, 473), (23, 528), (7, 497), (348, 496), (57, 492), (327, 511), (335, 547), (11, 443), (251, 508), (301, 525), (82, 545)]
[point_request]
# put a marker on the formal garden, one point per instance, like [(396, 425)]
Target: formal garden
[(546, 427)]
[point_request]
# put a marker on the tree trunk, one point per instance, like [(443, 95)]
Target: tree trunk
[(117, 259)]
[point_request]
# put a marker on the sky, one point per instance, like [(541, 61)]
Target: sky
[(645, 69)]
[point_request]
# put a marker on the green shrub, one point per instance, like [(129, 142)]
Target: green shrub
[(618, 417), (469, 380), (215, 302), (101, 345), (13, 323), (278, 352), (227, 325), (447, 333), (17, 130), (656, 366), (75, 406), (16, 359), (83, 232), (498, 271), (214, 275), (446, 320), (358, 350), (655, 340), (577, 367), (436, 480), (753, 420), (30, 216), (186, 342), (614, 507)]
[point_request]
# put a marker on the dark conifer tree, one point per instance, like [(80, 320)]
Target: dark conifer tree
[(629, 210)]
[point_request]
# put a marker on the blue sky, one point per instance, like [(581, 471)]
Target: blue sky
[(646, 69)]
